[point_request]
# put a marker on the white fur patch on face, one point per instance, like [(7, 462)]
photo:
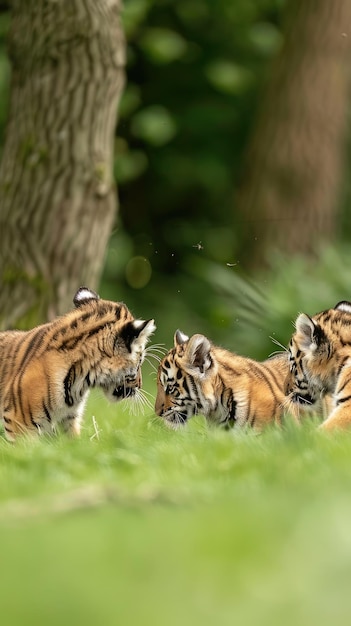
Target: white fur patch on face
[(344, 306)]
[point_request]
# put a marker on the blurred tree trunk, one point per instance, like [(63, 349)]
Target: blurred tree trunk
[(290, 188), (57, 193)]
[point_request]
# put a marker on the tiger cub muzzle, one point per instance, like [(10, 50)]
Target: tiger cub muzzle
[(305, 399), (175, 418), (128, 388), (166, 407), (299, 392)]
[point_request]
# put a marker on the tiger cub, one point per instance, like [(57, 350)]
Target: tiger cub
[(46, 373), (229, 390), (320, 363)]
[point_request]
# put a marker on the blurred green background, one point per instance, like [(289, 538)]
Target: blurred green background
[(196, 74)]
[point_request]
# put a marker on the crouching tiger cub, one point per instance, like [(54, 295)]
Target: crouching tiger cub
[(320, 363), (229, 390), (46, 373)]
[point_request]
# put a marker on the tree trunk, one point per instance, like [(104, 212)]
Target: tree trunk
[(290, 189), (57, 193)]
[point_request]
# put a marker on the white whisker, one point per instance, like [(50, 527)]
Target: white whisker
[(152, 365), (156, 347), (153, 356), (147, 393), (292, 408), (275, 353), (150, 355), (141, 398), (277, 343), (135, 404)]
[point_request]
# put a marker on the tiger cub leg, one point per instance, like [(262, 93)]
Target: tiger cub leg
[(9, 428), (72, 422), (71, 425), (13, 426), (340, 416)]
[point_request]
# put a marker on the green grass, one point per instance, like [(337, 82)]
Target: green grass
[(142, 525)]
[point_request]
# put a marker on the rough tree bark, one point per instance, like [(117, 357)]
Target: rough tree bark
[(291, 181), (57, 193)]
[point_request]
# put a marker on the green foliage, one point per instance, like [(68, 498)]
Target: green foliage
[(244, 314), (195, 71), (162, 45), (155, 125), (248, 314), (227, 76)]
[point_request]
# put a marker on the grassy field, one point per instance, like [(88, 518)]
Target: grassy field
[(136, 524)]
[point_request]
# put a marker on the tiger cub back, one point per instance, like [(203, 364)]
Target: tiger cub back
[(320, 363), (196, 377), (46, 373)]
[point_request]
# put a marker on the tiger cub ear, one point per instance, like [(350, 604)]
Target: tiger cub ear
[(197, 353), (310, 334), (84, 295), (180, 338), (144, 328), (137, 333), (343, 306)]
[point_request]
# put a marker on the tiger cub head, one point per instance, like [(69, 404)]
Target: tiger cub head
[(317, 351), (114, 342), (183, 380)]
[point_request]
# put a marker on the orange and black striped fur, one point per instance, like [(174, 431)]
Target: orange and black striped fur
[(196, 377), (46, 373), (320, 363)]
